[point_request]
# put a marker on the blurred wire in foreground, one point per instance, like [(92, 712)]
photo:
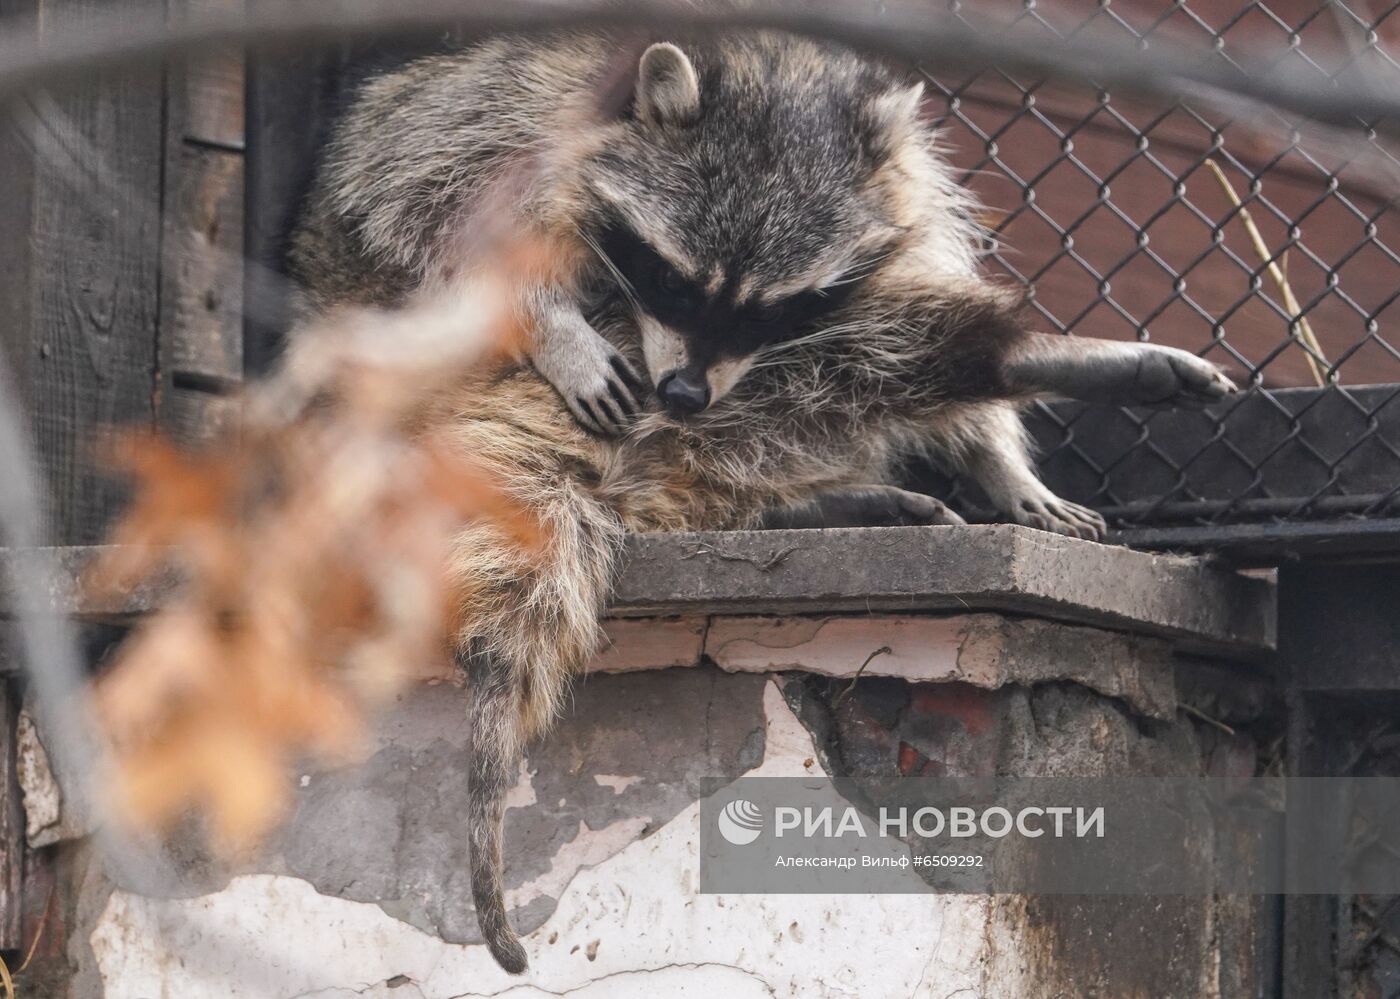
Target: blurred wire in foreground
[(905, 31), (36, 597)]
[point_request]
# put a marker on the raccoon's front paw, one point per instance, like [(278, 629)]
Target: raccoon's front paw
[(1168, 377), (608, 402), (597, 384), (1050, 513)]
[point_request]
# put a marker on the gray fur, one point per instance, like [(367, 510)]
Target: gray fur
[(804, 175)]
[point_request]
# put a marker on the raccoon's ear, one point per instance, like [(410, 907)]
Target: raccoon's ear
[(894, 119), (668, 91)]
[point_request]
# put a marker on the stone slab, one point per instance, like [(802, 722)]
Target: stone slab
[(1002, 567), (1198, 606)]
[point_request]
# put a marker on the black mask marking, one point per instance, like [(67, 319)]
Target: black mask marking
[(714, 325)]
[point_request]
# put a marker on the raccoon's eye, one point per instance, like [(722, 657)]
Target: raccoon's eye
[(810, 303), (792, 309), (767, 312), (672, 283)]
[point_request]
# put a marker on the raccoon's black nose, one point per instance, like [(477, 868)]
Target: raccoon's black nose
[(683, 393)]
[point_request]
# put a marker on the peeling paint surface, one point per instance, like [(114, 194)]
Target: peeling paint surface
[(632, 924), (587, 848), (390, 830), (43, 801), (53, 811), (615, 781), (366, 890), (985, 650)]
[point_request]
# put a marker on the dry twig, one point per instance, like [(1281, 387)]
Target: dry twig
[(1304, 332), (1200, 715), (313, 546), (883, 650)]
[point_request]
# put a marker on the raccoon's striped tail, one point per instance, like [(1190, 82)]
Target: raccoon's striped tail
[(494, 739)]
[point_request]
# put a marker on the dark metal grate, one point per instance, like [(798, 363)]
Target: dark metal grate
[(1109, 212)]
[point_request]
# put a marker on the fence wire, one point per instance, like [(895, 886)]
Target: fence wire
[(1210, 209), (1257, 240)]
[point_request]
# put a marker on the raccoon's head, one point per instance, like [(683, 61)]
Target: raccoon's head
[(738, 205)]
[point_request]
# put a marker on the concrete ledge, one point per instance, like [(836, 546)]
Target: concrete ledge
[(999, 567), (1198, 607)]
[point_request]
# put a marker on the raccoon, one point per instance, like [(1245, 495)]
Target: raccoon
[(765, 227)]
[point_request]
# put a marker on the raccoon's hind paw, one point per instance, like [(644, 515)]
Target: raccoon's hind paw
[(864, 506), (1169, 377), (1050, 513), (918, 510)]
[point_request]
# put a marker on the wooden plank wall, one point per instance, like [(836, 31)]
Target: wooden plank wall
[(124, 202), (121, 290), (91, 294), (16, 168), (11, 825), (201, 331)]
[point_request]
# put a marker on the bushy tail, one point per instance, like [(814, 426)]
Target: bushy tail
[(495, 747)]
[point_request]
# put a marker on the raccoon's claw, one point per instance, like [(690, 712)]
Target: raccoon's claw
[(612, 404), (626, 385), (1061, 517), (597, 415)]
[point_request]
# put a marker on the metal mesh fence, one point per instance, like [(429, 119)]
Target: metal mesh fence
[(1268, 247)]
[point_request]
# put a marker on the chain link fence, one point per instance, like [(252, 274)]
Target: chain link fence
[(1266, 245)]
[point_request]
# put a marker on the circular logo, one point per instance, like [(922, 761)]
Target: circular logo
[(740, 822)]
